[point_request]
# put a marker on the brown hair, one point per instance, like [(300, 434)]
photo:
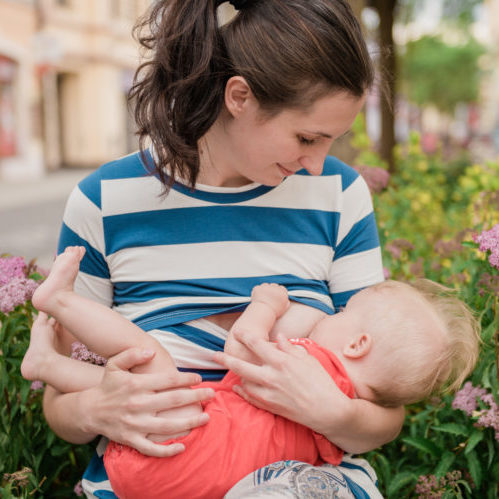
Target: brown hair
[(289, 51), (431, 368)]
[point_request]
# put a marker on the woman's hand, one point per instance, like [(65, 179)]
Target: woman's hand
[(124, 405), (293, 384), (289, 382)]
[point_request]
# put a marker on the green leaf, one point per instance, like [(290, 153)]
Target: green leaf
[(475, 438), (400, 480), (445, 463), (424, 445), (469, 244), (474, 468), (454, 428), (492, 452), (488, 332)]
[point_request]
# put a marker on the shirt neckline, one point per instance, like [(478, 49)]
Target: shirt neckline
[(210, 193)]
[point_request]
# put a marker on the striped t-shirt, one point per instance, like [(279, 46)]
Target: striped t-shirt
[(166, 262)]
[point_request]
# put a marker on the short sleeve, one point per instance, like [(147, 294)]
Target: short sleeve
[(357, 256), (83, 226)]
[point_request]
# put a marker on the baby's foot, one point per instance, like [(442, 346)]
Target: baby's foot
[(272, 294), (40, 350), (60, 280)]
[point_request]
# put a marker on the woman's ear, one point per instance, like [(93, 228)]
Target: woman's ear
[(358, 347), (238, 95)]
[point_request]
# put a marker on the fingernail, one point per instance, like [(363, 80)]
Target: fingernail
[(204, 418), (147, 353)]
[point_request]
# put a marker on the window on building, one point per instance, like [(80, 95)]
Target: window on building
[(8, 136)]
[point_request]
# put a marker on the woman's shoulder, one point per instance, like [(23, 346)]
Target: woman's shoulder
[(334, 166), (127, 167), (130, 166)]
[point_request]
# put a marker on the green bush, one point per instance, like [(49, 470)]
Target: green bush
[(34, 462), (427, 220)]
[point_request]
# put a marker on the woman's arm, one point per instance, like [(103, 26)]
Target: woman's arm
[(293, 384), (124, 405)]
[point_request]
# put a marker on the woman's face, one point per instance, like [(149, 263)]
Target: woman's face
[(268, 150)]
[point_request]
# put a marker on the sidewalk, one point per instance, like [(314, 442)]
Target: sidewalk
[(54, 185), (31, 214)]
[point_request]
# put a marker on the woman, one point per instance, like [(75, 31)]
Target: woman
[(234, 190)]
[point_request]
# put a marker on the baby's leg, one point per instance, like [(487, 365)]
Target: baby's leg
[(43, 362), (268, 303), (101, 329)]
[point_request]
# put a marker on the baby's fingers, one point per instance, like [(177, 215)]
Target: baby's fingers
[(154, 449)]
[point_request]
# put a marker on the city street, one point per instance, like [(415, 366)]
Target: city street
[(31, 214)]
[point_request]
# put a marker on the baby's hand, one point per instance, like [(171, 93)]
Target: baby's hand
[(273, 295)]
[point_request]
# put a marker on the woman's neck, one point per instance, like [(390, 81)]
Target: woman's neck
[(216, 157)]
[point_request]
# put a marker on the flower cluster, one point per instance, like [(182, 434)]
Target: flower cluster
[(16, 288), (78, 489), (488, 283), (80, 352), (376, 178), (431, 487), (397, 247), (489, 241), (466, 400), (19, 478), (11, 267)]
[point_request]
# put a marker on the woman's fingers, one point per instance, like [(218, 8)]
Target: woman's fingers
[(132, 357), (242, 368), (159, 425), (158, 401)]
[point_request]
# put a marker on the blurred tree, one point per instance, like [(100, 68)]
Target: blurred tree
[(435, 73), (457, 12)]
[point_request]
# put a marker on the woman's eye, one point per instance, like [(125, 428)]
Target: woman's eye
[(304, 140)]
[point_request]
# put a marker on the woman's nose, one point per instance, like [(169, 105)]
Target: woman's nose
[(313, 163)]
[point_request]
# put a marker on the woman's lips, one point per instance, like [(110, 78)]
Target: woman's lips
[(285, 171)]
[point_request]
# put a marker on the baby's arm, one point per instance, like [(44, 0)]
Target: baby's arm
[(268, 303), (297, 322)]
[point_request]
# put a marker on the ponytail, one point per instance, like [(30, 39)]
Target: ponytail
[(178, 94)]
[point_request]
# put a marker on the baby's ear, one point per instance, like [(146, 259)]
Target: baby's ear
[(358, 346)]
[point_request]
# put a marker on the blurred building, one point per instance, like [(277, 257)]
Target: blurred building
[(65, 69)]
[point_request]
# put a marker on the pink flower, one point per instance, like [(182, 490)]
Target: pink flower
[(376, 178), (78, 489), (488, 240), (466, 398), (16, 291), (10, 268), (397, 246), (80, 352), (489, 418), (36, 385), (386, 273)]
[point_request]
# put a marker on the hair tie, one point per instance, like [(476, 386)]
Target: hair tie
[(237, 4)]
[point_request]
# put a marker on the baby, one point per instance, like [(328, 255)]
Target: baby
[(393, 344)]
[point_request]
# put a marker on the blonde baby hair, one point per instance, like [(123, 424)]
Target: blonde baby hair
[(430, 343)]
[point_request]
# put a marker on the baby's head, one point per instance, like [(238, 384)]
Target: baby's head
[(424, 340)]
